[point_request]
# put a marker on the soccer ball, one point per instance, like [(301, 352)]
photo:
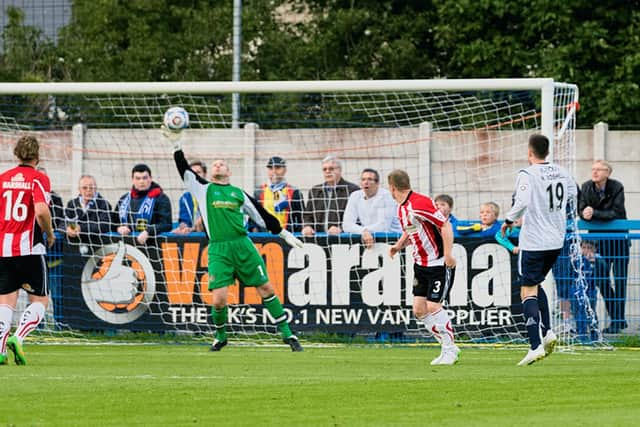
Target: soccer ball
[(176, 118)]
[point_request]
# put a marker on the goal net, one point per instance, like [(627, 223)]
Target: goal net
[(463, 138)]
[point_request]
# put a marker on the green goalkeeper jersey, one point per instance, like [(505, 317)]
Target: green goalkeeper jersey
[(224, 206), (225, 213)]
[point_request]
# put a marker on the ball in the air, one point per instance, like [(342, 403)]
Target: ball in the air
[(176, 118)]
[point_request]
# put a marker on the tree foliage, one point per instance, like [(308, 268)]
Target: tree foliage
[(596, 45), (25, 55)]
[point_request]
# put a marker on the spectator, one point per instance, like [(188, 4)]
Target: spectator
[(488, 225), (189, 218), (57, 207), (371, 209), (327, 201), (145, 208), (444, 203), (602, 199), (88, 215), (280, 198)]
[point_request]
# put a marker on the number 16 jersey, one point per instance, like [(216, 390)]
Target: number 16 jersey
[(543, 191), (20, 189)]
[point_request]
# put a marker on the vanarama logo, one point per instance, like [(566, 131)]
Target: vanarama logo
[(118, 283)]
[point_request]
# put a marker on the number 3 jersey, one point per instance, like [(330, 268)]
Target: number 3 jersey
[(21, 188), (422, 221), (543, 191)]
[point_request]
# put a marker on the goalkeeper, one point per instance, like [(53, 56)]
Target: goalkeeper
[(231, 252)]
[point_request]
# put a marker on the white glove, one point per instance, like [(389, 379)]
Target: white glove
[(291, 240), (173, 136)]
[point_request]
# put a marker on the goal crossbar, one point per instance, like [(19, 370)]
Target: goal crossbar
[(204, 87)]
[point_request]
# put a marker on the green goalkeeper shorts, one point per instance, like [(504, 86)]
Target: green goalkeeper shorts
[(239, 259)]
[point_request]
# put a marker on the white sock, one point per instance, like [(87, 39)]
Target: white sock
[(6, 316), (31, 318), (429, 323), (442, 324)]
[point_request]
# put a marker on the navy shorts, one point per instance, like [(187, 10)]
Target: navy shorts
[(432, 283), (28, 272), (533, 266)]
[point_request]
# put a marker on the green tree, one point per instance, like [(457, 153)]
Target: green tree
[(158, 40), (373, 39), (592, 44), (595, 45), (26, 56)]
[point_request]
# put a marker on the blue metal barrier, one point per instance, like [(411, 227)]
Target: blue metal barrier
[(611, 272)]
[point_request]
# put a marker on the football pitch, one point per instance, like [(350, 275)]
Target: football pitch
[(334, 386)]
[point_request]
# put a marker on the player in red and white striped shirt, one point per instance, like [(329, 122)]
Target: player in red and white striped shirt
[(431, 235), (24, 215)]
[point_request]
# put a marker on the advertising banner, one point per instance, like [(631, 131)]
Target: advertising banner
[(332, 284)]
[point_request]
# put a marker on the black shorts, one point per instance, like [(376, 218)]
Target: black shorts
[(533, 266), (28, 272), (432, 283)]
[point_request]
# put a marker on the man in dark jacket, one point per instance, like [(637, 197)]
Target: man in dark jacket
[(602, 199), (327, 201), (88, 216), (145, 208)]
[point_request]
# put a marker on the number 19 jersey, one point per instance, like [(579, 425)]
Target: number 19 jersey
[(20, 189), (543, 191)]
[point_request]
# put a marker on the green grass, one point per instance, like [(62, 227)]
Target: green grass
[(344, 386)]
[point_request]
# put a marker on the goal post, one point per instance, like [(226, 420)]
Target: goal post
[(463, 137)]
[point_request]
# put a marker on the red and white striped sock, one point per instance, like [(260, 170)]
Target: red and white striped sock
[(443, 326), (30, 320), (6, 316), (429, 323)]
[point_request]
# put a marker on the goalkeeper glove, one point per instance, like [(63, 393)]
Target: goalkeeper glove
[(173, 136), (291, 240)]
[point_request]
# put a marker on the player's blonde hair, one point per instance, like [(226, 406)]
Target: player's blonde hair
[(493, 206), (399, 179), (27, 149)]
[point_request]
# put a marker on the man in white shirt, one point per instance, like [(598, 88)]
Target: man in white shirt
[(542, 193), (370, 209)]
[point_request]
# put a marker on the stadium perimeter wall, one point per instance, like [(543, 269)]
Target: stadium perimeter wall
[(109, 155)]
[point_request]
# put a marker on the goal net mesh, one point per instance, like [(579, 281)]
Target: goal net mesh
[(467, 144)]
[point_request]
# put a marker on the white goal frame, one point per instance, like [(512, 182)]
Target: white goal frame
[(544, 85), (554, 122)]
